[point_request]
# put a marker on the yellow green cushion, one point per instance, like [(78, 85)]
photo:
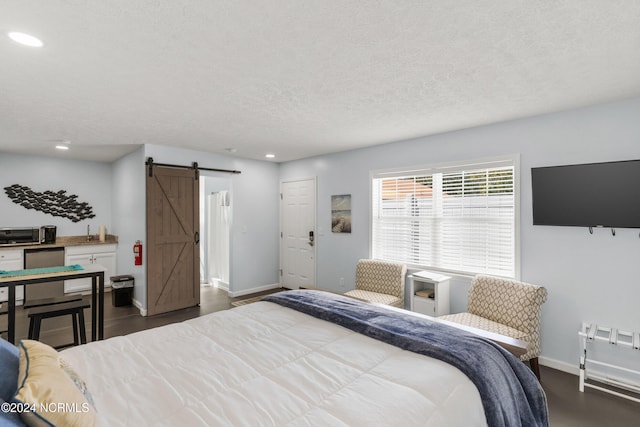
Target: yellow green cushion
[(44, 385)]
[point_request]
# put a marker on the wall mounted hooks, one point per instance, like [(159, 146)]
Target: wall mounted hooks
[(613, 231)]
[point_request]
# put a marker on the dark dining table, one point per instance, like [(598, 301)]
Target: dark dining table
[(95, 272)]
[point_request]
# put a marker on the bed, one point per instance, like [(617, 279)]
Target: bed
[(305, 358)]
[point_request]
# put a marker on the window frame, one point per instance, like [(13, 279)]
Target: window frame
[(449, 167)]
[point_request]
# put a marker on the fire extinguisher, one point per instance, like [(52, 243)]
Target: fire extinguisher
[(137, 253)]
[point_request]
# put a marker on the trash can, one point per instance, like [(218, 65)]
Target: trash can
[(121, 290)]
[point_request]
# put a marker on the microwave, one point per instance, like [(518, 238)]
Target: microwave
[(21, 235)]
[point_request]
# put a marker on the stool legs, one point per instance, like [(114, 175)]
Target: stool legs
[(31, 326), (77, 317), (74, 319), (83, 332), (34, 327)]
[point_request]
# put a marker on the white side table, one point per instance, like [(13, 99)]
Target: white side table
[(429, 293)]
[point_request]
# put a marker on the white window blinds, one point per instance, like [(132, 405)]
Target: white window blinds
[(459, 219)]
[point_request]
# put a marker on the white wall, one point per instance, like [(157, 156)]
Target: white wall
[(129, 218), (588, 277), (90, 181)]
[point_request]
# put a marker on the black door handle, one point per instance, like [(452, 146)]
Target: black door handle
[(196, 238)]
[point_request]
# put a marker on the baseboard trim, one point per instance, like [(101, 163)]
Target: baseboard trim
[(138, 305), (223, 287), (254, 290), (593, 373), (559, 365)]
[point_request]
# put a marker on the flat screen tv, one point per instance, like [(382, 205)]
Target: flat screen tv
[(587, 195)]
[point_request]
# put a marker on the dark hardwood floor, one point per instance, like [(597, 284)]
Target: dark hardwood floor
[(567, 406)]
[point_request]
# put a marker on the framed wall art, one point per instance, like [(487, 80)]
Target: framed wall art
[(341, 213)]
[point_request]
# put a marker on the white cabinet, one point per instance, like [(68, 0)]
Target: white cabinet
[(11, 259), (429, 293), (103, 255)]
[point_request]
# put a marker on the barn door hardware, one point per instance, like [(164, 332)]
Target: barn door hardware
[(150, 163)]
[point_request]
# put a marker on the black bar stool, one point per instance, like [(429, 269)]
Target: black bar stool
[(73, 308), (31, 303)]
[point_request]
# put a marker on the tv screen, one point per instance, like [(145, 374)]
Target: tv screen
[(587, 195)]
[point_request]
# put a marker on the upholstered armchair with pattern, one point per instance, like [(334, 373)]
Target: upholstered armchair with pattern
[(380, 282), (506, 307)]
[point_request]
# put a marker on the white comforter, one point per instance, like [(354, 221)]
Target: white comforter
[(264, 364)]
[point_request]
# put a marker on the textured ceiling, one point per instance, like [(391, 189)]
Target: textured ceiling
[(300, 78)]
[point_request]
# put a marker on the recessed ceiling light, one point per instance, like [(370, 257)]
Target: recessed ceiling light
[(270, 156), (61, 144), (25, 39)]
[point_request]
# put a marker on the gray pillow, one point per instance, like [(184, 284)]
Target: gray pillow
[(9, 361), (10, 419)]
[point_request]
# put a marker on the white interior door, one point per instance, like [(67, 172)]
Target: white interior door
[(298, 234)]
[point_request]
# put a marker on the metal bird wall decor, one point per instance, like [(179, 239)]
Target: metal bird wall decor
[(56, 203)]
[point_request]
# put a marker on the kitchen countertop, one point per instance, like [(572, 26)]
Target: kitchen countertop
[(63, 241)]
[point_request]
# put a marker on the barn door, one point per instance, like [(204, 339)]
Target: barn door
[(173, 280)]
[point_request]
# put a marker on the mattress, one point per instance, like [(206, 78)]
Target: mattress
[(263, 364)]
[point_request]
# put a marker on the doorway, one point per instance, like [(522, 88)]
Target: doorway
[(215, 223), (298, 233)]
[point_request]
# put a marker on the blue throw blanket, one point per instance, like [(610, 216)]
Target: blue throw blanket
[(511, 394)]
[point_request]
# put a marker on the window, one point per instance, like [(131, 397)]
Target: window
[(461, 218)]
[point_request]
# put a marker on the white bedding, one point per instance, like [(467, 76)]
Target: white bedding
[(264, 364)]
